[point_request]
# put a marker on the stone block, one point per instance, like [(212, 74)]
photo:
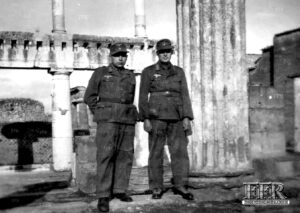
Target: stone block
[(285, 169), (86, 149), (265, 97), (86, 177), (297, 167), (264, 169), (267, 144), (275, 168), (266, 120)]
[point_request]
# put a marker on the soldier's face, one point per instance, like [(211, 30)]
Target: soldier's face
[(164, 55), (119, 59)]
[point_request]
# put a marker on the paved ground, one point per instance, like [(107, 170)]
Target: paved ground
[(45, 192)]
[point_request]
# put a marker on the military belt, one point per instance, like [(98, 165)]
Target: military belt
[(165, 93), (115, 100)]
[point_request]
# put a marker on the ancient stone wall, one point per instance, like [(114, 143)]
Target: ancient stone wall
[(266, 118), (287, 65), (25, 132), (261, 74), (276, 68)]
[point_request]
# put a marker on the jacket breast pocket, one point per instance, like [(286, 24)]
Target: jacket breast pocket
[(103, 112), (108, 83)]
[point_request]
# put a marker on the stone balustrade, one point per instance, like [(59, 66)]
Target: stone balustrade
[(35, 50)]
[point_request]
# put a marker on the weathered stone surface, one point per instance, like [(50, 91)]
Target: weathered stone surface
[(86, 177), (21, 110), (267, 144), (265, 98), (211, 41), (86, 149), (286, 66), (265, 169), (285, 169), (260, 74), (276, 168), (265, 120)]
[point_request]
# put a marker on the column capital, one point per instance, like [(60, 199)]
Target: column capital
[(59, 70)]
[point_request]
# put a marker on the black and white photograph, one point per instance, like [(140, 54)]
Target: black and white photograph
[(149, 106)]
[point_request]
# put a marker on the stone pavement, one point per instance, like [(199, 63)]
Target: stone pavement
[(47, 191)]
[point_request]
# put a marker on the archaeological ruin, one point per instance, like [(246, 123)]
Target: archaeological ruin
[(245, 106)]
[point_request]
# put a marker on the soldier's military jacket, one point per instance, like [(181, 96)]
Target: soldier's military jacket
[(110, 95), (164, 94)]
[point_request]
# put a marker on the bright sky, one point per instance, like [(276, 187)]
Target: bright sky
[(264, 18)]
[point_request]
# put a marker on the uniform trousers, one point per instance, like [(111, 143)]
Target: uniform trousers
[(114, 157), (171, 132)]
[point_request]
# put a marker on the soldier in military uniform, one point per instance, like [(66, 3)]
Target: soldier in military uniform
[(110, 95), (165, 108)]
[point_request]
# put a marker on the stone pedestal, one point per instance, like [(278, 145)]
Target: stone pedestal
[(211, 41)]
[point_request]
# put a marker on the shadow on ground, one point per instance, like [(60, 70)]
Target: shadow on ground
[(30, 194)]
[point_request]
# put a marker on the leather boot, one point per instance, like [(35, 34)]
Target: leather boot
[(184, 193), (157, 193), (103, 204), (123, 197)]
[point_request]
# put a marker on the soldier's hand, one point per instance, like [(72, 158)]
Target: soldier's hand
[(147, 125), (186, 124)]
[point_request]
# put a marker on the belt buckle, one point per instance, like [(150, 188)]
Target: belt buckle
[(167, 93)]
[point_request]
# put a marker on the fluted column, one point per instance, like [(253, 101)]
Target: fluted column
[(58, 16), (211, 41)]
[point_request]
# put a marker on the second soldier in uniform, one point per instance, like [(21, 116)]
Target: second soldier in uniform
[(165, 108), (110, 95)]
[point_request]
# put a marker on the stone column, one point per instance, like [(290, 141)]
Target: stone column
[(62, 133), (211, 41), (297, 113), (139, 18), (139, 62), (58, 16)]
